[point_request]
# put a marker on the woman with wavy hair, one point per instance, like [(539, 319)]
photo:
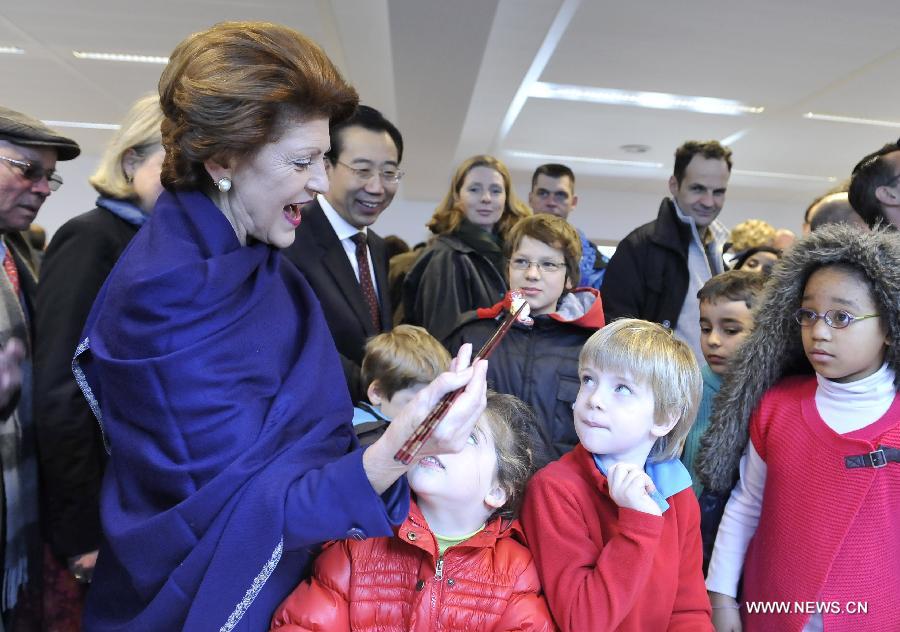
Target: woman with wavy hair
[(464, 268), (208, 362)]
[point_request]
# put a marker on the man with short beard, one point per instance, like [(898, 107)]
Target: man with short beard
[(659, 267)]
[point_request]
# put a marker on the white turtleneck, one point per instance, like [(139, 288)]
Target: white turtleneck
[(844, 408)]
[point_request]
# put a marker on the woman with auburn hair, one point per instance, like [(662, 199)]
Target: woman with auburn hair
[(464, 268), (80, 257), (211, 369)]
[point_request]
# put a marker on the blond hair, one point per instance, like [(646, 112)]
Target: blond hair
[(553, 231), (649, 354), (450, 212), (403, 357), (140, 132), (752, 233)]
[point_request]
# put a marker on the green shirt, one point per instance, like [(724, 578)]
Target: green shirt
[(445, 543)]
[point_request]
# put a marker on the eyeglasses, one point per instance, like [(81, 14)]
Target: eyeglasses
[(559, 196), (388, 176), (836, 318), (544, 266), (35, 172)]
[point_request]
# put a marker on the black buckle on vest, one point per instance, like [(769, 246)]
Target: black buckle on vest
[(875, 459)]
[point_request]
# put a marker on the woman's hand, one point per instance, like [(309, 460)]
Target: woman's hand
[(450, 435), (726, 614), (82, 566), (629, 486)]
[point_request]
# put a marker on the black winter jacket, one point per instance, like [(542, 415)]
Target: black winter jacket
[(538, 364), (647, 276), (449, 279), (72, 457)]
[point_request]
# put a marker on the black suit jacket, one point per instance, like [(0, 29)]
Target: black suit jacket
[(319, 255)]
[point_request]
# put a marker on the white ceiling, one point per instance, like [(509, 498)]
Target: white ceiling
[(448, 72)]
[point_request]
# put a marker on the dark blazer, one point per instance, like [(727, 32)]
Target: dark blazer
[(72, 457), (319, 255)]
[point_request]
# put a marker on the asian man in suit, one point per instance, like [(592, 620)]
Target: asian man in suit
[(342, 259)]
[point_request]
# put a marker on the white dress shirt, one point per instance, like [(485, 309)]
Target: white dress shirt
[(345, 232)]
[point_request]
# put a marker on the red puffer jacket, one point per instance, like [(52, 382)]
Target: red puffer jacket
[(487, 583)]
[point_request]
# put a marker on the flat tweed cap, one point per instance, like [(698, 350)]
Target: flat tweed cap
[(21, 129)]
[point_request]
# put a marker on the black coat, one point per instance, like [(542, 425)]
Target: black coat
[(319, 255), (449, 279), (647, 276), (538, 364), (70, 445)]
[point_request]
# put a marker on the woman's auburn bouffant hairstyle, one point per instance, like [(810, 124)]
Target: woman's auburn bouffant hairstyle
[(450, 213), (774, 349), (140, 132), (230, 89)]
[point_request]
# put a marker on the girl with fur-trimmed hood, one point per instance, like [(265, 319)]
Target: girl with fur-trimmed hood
[(812, 519)]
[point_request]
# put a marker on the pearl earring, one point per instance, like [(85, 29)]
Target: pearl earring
[(224, 184)]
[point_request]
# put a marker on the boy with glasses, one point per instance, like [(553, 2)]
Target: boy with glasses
[(538, 363)]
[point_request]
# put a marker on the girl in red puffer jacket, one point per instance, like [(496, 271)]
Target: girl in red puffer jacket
[(458, 562)]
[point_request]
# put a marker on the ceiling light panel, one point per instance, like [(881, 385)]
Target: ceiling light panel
[(81, 125), (850, 119), (783, 176), (125, 57), (654, 100), (12, 50), (645, 164)]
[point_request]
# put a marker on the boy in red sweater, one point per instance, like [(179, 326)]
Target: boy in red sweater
[(458, 562), (614, 525)]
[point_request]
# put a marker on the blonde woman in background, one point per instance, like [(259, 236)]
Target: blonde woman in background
[(464, 268), (80, 257)]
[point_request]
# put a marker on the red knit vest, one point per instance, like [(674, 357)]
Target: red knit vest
[(827, 533)]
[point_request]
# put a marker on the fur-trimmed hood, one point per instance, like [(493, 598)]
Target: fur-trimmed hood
[(774, 349)]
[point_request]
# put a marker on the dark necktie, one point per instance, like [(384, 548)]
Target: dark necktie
[(365, 279)]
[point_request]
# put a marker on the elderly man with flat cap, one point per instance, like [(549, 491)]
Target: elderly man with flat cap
[(28, 154)]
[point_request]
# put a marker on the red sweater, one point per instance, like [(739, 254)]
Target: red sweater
[(606, 568), (826, 533), (487, 583)]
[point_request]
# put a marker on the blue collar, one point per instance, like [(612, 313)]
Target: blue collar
[(670, 477), (365, 412), (123, 209), (710, 377)]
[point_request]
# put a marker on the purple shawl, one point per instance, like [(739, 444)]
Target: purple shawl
[(222, 400)]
